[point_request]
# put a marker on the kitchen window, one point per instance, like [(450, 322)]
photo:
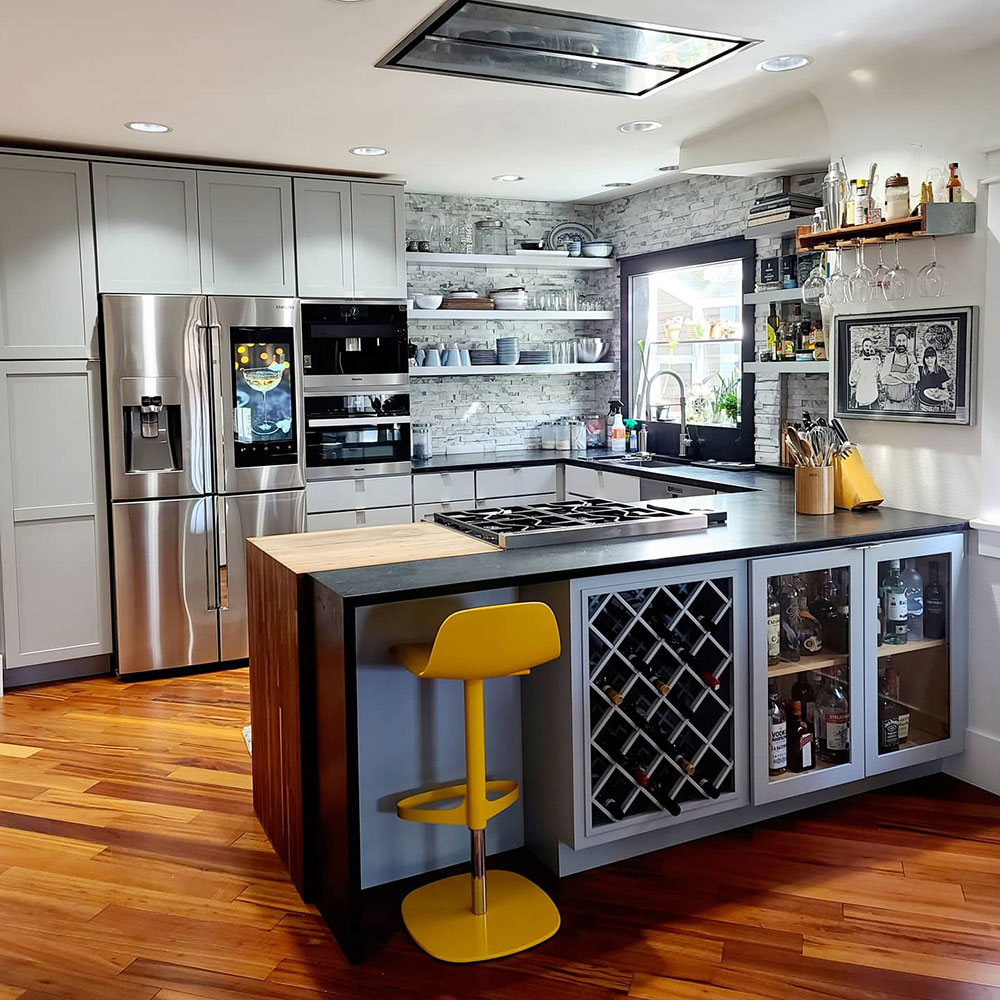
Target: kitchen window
[(683, 311)]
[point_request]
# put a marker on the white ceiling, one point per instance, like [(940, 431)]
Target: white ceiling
[(292, 82)]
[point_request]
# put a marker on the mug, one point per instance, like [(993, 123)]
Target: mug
[(575, 247), (420, 355), (432, 358), (466, 359)]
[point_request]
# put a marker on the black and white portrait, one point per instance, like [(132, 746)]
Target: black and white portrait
[(907, 366)]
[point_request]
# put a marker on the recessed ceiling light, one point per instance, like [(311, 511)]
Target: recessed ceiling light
[(782, 64), (619, 184), (669, 167), (148, 127), (369, 151), (640, 126), (509, 178)]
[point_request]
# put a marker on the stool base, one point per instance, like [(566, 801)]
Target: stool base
[(440, 920)]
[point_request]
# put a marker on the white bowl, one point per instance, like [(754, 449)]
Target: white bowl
[(510, 300), (598, 248), (428, 301), (463, 295)]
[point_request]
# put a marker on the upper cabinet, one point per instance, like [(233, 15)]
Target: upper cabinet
[(379, 241), (147, 229), (247, 246), (349, 238), (48, 284)]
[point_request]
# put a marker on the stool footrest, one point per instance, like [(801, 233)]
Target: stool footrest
[(415, 807)]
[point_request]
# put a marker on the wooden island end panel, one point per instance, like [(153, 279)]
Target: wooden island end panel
[(282, 695)]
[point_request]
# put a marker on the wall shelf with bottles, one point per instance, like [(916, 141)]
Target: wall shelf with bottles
[(522, 262), (934, 219), (522, 315)]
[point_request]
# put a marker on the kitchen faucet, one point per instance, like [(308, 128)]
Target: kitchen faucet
[(685, 438)]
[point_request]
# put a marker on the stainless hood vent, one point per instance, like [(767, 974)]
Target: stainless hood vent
[(548, 48)]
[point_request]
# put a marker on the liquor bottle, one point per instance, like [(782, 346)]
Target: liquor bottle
[(810, 633), (954, 185), (824, 603), (799, 740), (837, 625), (914, 584), (801, 591), (888, 718), (777, 740), (834, 711), (797, 327), (787, 338), (935, 607), (880, 638), (896, 618), (773, 346), (790, 649), (819, 342), (803, 693), (773, 627)]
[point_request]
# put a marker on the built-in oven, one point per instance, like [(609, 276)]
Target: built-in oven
[(363, 433), (357, 343)]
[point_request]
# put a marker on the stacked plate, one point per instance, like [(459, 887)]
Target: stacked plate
[(535, 358), (507, 350), (482, 357)]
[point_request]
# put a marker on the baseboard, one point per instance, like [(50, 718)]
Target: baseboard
[(63, 670), (980, 764)]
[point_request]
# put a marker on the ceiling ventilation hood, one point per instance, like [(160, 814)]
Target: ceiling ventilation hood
[(550, 48)]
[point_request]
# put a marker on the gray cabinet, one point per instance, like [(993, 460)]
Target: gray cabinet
[(378, 229), (147, 229), (48, 286), (53, 513), (323, 237), (245, 226)]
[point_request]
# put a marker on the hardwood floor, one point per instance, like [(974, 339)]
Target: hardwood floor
[(131, 867)]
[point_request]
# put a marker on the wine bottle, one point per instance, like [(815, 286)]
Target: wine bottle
[(709, 788), (799, 740), (710, 679), (613, 696), (935, 606), (613, 807), (833, 708), (659, 787), (803, 693), (777, 743)]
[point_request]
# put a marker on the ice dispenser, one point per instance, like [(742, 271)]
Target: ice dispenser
[(151, 420)]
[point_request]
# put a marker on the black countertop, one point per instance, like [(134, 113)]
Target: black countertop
[(761, 521)]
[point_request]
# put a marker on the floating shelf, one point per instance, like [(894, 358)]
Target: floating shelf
[(773, 295), (910, 647), (537, 315), (474, 371), (935, 219), (807, 664), (697, 340), (772, 229), (522, 263), (787, 367)]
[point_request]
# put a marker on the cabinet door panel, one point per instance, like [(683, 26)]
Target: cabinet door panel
[(53, 514), (379, 241), (245, 223), (147, 229), (324, 256), (371, 517), (48, 286)]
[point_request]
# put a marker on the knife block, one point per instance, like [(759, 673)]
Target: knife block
[(854, 488)]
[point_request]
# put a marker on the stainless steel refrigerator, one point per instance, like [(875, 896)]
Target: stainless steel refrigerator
[(206, 449)]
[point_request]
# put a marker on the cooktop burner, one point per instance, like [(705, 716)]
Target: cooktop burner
[(574, 521)]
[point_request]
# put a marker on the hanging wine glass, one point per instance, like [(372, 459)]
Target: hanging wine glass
[(839, 283), (815, 287), (861, 276), (933, 277), (899, 285), (880, 276)]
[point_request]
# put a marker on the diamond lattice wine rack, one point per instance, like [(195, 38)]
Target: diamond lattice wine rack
[(660, 698)]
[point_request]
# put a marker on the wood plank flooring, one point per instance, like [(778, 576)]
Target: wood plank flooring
[(132, 868)]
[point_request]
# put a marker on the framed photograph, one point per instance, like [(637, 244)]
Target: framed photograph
[(908, 366)]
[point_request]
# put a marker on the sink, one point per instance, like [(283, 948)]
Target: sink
[(643, 461), (715, 463)]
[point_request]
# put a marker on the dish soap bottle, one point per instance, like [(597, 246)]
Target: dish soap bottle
[(618, 433), (614, 406)]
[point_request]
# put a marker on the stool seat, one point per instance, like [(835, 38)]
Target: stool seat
[(412, 807)]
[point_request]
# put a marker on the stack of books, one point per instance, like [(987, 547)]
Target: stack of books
[(781, 207)]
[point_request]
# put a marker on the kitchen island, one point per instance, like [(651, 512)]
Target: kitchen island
[(649, 730)]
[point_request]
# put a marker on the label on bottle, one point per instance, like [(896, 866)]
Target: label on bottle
[(778, 746), (896, 610), (773, 636), (835, 725), (811, 714), (903, 724), (890, 733), (812, 643), (806, 748)]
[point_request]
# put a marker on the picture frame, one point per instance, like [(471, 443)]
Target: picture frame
[(910, 366)]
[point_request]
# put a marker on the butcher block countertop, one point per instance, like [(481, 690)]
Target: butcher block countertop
[(319, 551)]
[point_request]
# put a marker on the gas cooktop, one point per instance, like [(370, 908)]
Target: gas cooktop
[(515, 527)]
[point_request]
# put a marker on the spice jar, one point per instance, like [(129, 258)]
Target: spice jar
[(897, 197), (491, 237)]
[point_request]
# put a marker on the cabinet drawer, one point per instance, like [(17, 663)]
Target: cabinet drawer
[(358, 494), (376, 516), (520, 481), (662, 489), (421, 510), (605, 485), (517, 501), (443, 487)]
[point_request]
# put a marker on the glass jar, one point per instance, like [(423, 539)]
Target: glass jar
[(422, 447), (897, 197), (491, 237), (563, 436)]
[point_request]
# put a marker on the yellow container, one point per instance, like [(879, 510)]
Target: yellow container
[(854, 488), (813, 489)]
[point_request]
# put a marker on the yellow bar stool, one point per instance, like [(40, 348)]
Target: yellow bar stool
[(445, 918)]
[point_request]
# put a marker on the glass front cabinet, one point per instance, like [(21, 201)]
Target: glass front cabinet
[(858, 662)]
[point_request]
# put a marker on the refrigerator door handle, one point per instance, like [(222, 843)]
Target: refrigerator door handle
[(218, 404), (210, 555), (223, 575)]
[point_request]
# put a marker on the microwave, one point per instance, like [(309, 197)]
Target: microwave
[(353, 344), (364, 433)]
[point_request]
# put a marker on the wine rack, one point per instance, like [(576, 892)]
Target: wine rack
[(660, 698)]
